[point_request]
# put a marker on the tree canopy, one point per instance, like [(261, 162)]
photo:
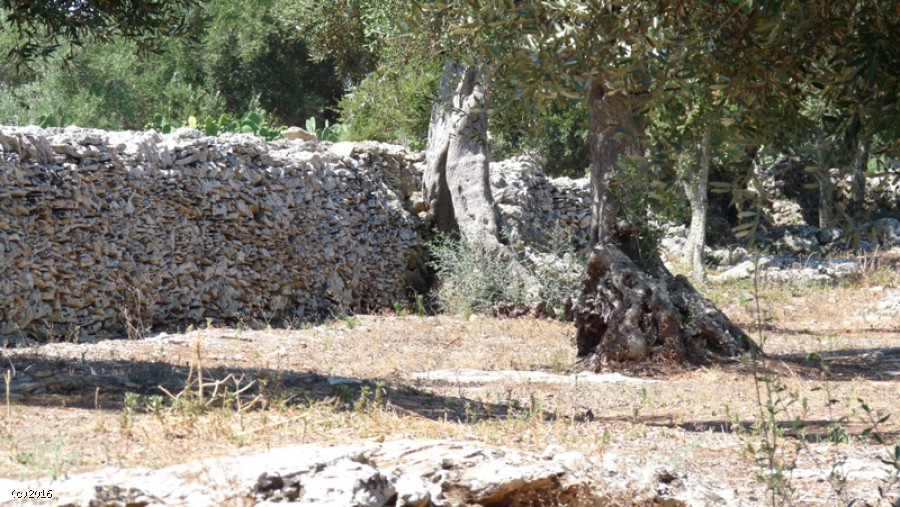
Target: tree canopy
[(44, 26)]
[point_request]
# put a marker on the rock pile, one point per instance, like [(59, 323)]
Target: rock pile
[(799, 253), (883, 191), (102, 230), (790, 195)]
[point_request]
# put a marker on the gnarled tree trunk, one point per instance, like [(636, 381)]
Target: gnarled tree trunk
[(623, 312), (456, 181)]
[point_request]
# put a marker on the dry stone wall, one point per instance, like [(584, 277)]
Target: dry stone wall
[(541, 211), (99, 230), (102, 229)]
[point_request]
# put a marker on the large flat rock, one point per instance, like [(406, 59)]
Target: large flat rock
[(410, 473)]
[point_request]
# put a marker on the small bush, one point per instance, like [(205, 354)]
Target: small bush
[(472, 279), (257, 123), (392, 104), (558, 133)]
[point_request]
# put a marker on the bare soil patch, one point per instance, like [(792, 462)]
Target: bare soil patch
[(82, 406)]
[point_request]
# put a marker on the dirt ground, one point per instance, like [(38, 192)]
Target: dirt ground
[(81, 406)]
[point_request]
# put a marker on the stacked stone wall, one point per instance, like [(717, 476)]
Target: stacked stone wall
[(99, 230)]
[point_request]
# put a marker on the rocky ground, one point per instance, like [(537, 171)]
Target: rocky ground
[(407, 410), (798, 253)]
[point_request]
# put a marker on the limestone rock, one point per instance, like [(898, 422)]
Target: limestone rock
[(788, 268), (785, 212), (403, 473), (411, 473), (297, 133), (803, 241), (886, 231), (890, 304)]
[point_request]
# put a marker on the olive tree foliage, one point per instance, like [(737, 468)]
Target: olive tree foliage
[(740, 64), (684, 131), (388, 72), (620, 59), (341, 30), (44, 26), (855, 78)]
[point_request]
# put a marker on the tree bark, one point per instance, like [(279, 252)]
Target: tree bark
[(610, 123), (858, 191), (624, 313), (696, 186), (826, 198), (456, 181)]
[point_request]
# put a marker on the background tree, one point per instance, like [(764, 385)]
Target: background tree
[(855, 74), (44, 26), (237, 58)]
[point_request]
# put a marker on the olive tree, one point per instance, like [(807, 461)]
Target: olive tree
[(619, 58)]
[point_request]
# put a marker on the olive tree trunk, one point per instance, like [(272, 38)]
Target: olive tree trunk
[(826, 198), (858, 188), (696, 186), (456, 180), (626, 311)]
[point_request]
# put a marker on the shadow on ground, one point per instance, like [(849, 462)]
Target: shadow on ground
[(809, 430), (104, 385), (843, 364)]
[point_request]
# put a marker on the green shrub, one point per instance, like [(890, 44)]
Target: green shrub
[(256, 123), (392, 104), (471, 279), (241, 57), (558, 133), (111, 86)]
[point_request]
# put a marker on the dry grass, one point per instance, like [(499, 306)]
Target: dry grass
[(94, 405)]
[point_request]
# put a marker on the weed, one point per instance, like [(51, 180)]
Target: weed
[(734, 420), (471, 278), (126, 418), (53, 458), (782, 410), (640, 405), (420, 305)]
